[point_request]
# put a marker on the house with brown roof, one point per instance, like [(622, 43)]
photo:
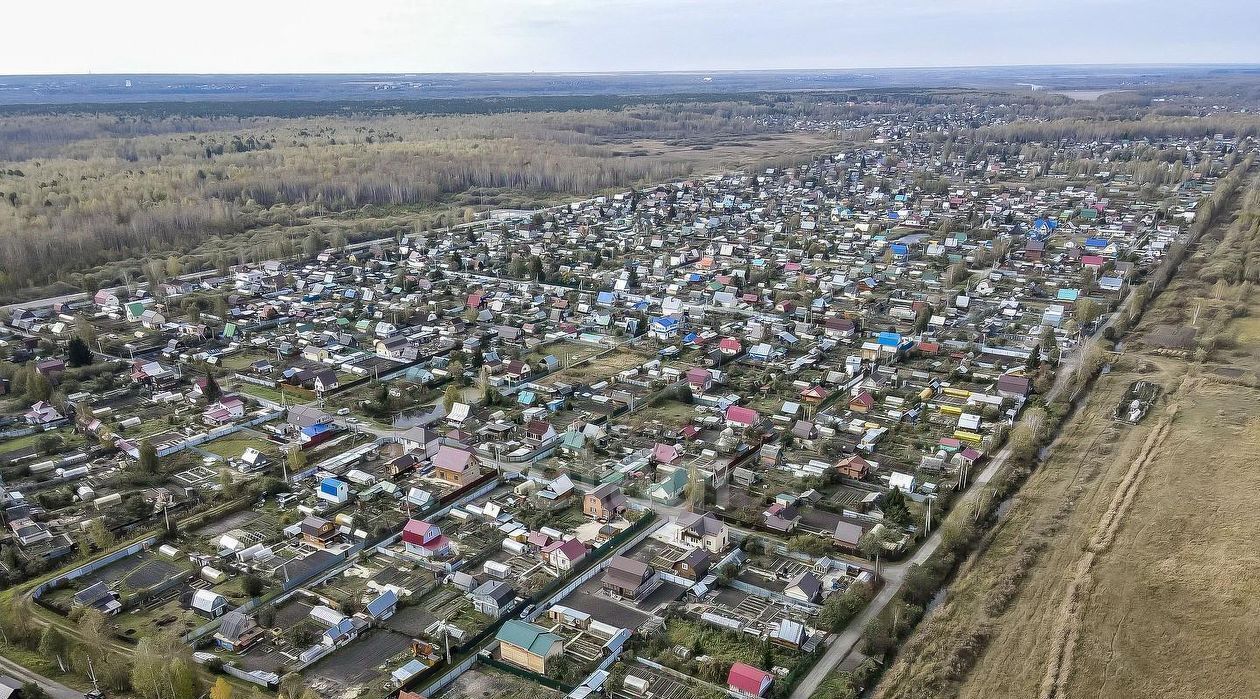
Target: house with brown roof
[(605, 502), (628, 578), (854, 467)]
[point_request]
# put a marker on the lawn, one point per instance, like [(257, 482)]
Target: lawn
[(565, 353), (669, 412), (233, 445), (69, 437)]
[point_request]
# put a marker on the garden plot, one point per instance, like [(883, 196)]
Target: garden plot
[(720, 647), (196, 477), (590, 598), (754, 613), (137, 572), (849, 497), (358, 663), (167, 610), (295, 562), (607, 366), (233, 445), (662, 685), (236, 520), (483, 682)]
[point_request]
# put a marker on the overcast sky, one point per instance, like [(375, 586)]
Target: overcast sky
[(323, 36)]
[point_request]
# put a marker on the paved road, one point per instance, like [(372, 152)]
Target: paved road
[(56, 690)]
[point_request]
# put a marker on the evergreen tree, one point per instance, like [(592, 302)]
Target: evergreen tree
[(78, 353), (212, 390), (148, 461), (1034, 359)]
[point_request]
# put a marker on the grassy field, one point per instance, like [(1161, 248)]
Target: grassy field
[(605, 367), (1127, 565), (232, 446), (670, 413)]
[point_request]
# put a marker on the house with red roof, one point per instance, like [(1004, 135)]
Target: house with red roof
[(854, 467), (862, 402), (227, 409), (665, 453), (729, 346), (748, 680), (739, 416), (814, 395), (425, 540), (699, 378), (564, 555), (839, 328)]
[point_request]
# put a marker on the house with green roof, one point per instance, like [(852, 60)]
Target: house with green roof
[(528, 645), (670, 490)]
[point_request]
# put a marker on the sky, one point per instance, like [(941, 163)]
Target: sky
[(438, 36)]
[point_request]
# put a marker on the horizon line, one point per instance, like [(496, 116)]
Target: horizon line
[(681, 71)]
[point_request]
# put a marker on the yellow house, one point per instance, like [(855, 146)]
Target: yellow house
[(528, 645)]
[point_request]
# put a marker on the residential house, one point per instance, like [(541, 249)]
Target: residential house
[(854, 467), (209, 604), (693, 566), (605, 502), (42, 413), (324, 380), (527, 645), (455, 465), (98, 596), (237, 632), (564, 555), (425, 540), (704, 531), (700, 379), (493, 598), (1011, 386), (747, 680), (318, 532), (847, 536), (862, 402), (804, 586), (739, 417), (628, 578)]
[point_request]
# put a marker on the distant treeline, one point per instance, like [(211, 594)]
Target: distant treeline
[(92, 185), (373, 107)]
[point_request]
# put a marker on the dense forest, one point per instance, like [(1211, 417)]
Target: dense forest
[(87, 198)]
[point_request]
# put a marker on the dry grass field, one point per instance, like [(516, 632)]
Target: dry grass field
[(1127, 567)]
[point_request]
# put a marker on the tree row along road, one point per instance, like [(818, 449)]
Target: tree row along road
[(894, 575)]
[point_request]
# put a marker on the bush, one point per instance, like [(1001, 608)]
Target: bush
[(839, 610)]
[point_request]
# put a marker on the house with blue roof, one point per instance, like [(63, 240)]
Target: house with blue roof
[(664, 328), (383, 607)]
